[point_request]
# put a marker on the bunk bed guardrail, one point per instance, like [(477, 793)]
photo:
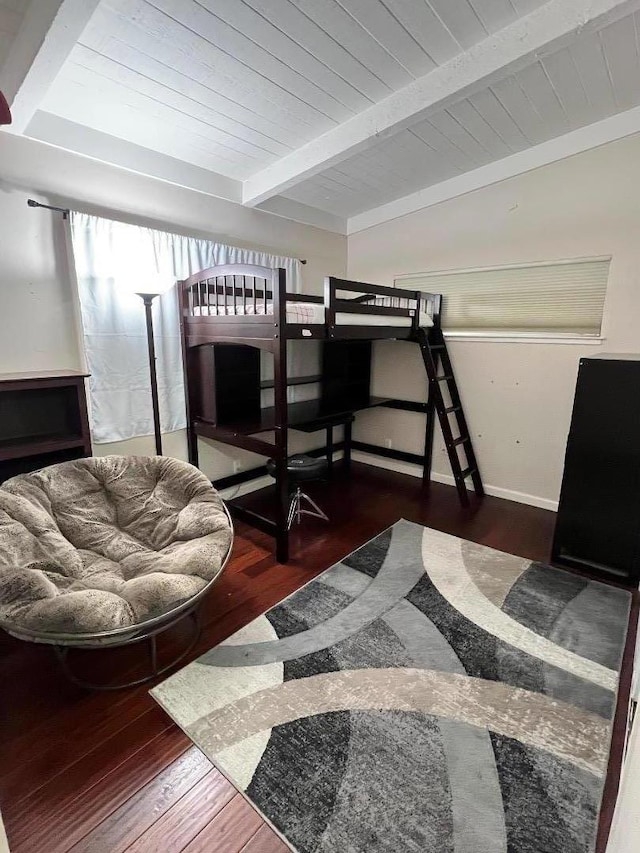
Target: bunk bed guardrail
[(254, 292), (380, 300)]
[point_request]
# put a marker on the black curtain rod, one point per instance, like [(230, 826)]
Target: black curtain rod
[(33, 203), (65, 213)]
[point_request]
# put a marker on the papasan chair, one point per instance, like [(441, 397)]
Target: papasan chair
[(108, 551)]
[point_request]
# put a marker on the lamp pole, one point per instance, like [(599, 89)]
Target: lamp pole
[(148, 298)]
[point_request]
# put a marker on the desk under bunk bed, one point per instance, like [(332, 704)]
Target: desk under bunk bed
[(231, 314)]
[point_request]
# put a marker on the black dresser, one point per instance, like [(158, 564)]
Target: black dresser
[(598, 523)]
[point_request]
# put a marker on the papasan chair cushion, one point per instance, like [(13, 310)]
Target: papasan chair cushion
[(104, 543)]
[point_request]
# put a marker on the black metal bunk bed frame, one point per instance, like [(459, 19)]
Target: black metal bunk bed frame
[(247, 306)]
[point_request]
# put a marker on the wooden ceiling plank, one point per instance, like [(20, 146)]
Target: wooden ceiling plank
[(309, 35), (367, 169), (474, 123), (460, 136), (494, 113), (536, 85), (347, 180), (408, 153), (495, 14), (312, 196), (347, 187), (348, 32), (620, 45), (347, 199), (462, 21), (263, 32), (390, 162), (511, 96), (441, 143), (588, 56), (567, 83), (427, 29), (389, 32)]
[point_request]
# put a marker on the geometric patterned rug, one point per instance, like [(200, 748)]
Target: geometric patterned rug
[(425, 694)]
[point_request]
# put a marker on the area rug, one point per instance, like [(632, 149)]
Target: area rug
[(425, 694)]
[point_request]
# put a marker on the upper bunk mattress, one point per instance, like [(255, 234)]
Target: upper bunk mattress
[(311, 313)]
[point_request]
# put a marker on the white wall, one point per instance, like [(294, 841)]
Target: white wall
[(518, 396), (37, 327), (625, 829)]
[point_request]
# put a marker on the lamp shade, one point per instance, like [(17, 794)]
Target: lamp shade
[(156, 285), (5, 112), (152, 286)]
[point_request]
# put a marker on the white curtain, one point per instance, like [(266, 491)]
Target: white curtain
[(113, 262)]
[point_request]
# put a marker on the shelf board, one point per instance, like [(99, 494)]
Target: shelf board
[(307, 415), (46, 444), (38, 375), (294, 380)]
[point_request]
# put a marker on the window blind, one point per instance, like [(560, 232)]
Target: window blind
[(558, 298)]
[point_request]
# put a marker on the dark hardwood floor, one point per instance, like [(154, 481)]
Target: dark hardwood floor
[(107, 772)]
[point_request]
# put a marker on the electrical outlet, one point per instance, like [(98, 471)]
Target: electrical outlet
[(387, 443), (236, 466)]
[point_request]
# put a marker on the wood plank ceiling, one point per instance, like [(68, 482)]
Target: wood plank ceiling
[(597, 76), (233, 86), (251, 80)]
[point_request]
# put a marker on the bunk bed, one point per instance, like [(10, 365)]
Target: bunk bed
[(230, 314)]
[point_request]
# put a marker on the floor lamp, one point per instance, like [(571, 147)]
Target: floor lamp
[(148, 298)]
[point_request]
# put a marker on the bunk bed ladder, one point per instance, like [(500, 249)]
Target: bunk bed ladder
[(434, 354)]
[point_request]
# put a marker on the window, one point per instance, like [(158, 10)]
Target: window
[(562, 298)]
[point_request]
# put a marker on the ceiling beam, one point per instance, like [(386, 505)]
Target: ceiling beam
[(48, 33), (543, 31)]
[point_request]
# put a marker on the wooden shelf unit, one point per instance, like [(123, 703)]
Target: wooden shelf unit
[(43, 420)]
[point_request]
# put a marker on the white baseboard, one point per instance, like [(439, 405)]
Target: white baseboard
[(402, 468), (447, 479), (245, 488)]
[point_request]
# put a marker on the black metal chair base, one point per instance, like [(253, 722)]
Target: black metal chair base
[(62, 653)]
